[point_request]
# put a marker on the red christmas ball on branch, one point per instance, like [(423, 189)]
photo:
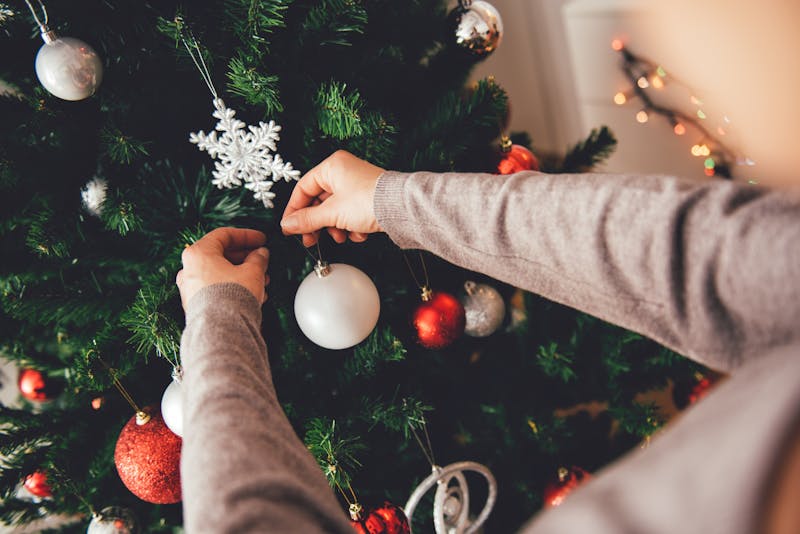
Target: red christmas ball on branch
[(34, 386), (148, 457), (439, 319), (36, 484), (516, 158), (568, 479), (387, 518)]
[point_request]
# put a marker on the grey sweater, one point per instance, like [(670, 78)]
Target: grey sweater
[(710, 270)]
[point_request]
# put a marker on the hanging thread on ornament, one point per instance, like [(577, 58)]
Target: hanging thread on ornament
[(451, 501), (337, 305), (67, 67), (142, 417), (242, 157), (440, 318)]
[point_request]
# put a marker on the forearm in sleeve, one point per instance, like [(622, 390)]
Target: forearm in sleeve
[(708, 269), (243, 468)]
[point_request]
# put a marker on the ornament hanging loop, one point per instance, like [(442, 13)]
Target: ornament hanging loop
[(48, 35), (193, 48), (425, 287)]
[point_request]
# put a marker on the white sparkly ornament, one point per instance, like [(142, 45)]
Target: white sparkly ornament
[(172, 404), (245, 156), (113, 520), (93, 195), (479, 27), (485, 309), (451, 502), (337, 306)]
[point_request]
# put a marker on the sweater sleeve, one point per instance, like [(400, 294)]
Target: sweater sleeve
[(243, 468), (708, 269)]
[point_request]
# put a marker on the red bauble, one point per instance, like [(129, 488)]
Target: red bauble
[(517, 159), (568, 479), (387, 518), (35, 387), (686, 394), (148, 459), (36, 484), (438, 320)]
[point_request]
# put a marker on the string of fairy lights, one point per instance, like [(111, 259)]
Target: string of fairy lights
[(646, 79)]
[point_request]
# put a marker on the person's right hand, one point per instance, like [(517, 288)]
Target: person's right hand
[(338, 195)]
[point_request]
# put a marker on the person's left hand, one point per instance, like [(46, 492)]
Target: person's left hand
[(234, 255)]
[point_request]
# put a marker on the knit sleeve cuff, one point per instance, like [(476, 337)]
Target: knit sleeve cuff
[(391, 211), (227, 298)]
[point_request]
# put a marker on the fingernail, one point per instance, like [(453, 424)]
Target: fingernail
[(262, 251), (289, 224)]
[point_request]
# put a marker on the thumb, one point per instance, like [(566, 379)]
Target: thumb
[(309, 220), (258, 258)]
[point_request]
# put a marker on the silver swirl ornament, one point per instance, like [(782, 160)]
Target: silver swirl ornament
[(451, 501)]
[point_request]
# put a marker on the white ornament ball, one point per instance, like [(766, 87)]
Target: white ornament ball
[(113, 520), (172, 407), (93, 195), (337, 306), (69, 68), (484, 307)]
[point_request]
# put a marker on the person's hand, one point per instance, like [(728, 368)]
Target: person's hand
[(338, 195), (225, 255)]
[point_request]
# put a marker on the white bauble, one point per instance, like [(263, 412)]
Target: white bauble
[(172, 407), (69, 68), (93, 195), (485, 309), (337, 306)]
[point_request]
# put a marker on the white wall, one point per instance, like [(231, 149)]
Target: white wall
[(738, 56)]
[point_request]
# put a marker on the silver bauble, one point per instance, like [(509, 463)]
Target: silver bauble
[(113, 520), (172, 407), (94, 194), (337, 306), (478, 27), (68, 67), (484, 307)]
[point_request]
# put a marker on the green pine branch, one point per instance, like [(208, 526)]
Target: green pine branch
[(334, 22), (121, 148), (595, 149), (336, 455), (256, 88), (254, 21), (339, 110), (381, 347), (397, 417)]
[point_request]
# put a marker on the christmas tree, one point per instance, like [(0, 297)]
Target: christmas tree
[(101, 195)]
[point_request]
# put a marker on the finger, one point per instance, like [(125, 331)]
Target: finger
[(340, 236), (358, 237), (257, 259), (312, 219), (266, 280), (309, 240), (309, 187), (179, 278), (236, 257), (228, 238)]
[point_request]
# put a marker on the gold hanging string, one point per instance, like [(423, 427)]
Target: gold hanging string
[(142, 417), (427, 451), (426, 287)]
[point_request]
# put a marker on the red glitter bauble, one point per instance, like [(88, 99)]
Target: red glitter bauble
[(438, 320), (387, 518), (36, 484), (148, 459), (34, 386), (517, 159), (684, 394), (567, 480)]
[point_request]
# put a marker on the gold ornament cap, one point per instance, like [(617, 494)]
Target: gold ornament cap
[(427, 294), (356, 511)]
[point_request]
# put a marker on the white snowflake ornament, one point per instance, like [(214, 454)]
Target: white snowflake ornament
[(244, 154)]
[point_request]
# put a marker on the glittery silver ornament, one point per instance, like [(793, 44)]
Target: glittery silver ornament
[(485, 309), (113, 520), (478, 27)]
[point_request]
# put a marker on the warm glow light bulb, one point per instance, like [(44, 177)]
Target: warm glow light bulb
[(679, 129), (620, 99), (617, 45), (657, 82), (704, 150), (721, 130), (642, 82), (696, 150), (709, 172), (642, 116)]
